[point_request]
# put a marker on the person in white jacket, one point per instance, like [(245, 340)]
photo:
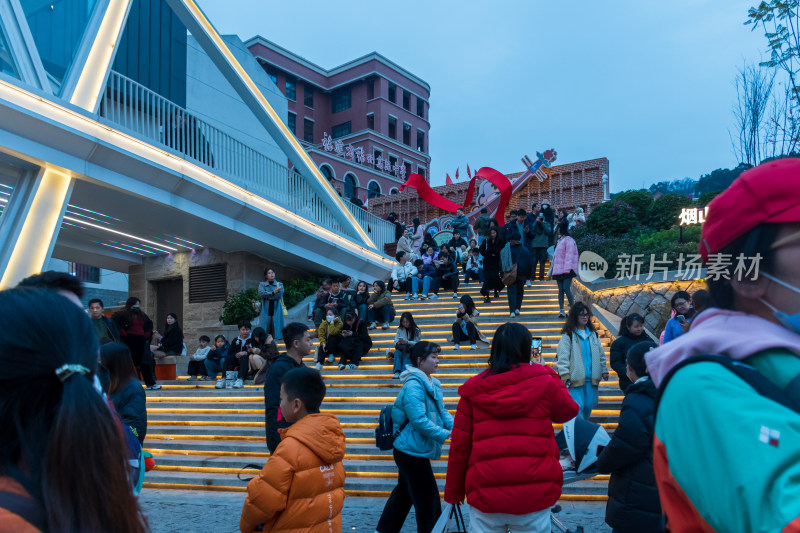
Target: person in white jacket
[(404, 276)]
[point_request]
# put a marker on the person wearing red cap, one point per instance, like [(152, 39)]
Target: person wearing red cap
[(727, 431)]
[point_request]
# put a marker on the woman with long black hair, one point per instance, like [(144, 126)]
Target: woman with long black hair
[(490, 250), (407, 336), (171, 342), (503, 454), (124, 389), (62, 454), (631, 332), (136, 329)]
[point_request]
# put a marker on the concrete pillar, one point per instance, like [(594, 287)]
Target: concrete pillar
[(30, 223)]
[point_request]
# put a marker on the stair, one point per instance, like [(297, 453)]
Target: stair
[(202, 438)]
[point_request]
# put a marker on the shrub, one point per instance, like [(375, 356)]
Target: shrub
[(612, 219), (706, 198), (664, 212), (295, 290), (239, 306), (638, 200)]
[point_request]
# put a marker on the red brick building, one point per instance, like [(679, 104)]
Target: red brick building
[(583, 184)]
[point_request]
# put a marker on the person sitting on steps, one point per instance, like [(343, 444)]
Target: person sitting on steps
[(407, 336), (215, 360), (329, 335), (380, 305), (447, 274), (197, 361), (238, 356), (355, 342)]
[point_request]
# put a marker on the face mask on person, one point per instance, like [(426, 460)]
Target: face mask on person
[(330, 319), (791, 322)]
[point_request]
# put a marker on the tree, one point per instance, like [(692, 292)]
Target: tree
[(753, 95), (612, 219), (706, 198), (664, 212), (639, 200), (719, 179)]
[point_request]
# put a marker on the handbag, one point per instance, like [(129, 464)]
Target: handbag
[(257, 306), (510, 276), (283, 306), (451, 520)]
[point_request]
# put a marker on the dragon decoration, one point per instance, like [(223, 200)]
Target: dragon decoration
[(493, 193)]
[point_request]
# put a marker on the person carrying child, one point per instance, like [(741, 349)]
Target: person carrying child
[(301, 487), (197, 361)]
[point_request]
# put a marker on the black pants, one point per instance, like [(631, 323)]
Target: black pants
[(331, 347), (458, 333), (243, 363), (538, 257), (516, 292), (142, 357), (350, 350), (197, 368), (415, 486), (449, 283), (402, 286)]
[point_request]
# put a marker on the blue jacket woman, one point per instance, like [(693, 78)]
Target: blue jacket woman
[(420, 406)]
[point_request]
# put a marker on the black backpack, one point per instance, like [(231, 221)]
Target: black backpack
[(385, 433)]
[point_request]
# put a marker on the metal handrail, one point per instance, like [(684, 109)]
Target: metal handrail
[(133, 106)]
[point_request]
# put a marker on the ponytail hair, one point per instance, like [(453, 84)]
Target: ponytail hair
[(60, 439)]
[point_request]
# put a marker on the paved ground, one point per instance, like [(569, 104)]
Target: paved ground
[(218, 512)]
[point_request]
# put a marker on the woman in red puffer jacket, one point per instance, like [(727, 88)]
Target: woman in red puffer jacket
[(503, 452)]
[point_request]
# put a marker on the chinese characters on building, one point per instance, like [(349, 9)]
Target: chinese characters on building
[(719, 266), (357, 155), (693, 215)]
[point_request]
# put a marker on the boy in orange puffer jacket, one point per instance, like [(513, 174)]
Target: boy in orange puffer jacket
[(301, 487)]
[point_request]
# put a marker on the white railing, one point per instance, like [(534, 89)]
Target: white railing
[(137, 108)]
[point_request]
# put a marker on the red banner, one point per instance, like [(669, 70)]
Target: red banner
[(426, 192)]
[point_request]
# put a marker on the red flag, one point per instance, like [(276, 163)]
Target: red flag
[(468, 172), (448, 181), (456, 173)]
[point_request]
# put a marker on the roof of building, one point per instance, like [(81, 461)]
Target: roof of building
[(372, 56)]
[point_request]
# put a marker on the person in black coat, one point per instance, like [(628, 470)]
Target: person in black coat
[(490, 250), (298, 345), (124, 389), (631, 331), (521, 257), (633, 504), (171, 343), (355, 342)]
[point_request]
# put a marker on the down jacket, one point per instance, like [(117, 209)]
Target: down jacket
[(633, 504), (619, 354), (326, 330), (420, 406), (503, 453), (570, 360), (301, 488)]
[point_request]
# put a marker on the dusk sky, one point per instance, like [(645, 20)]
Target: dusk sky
[(649, 85)]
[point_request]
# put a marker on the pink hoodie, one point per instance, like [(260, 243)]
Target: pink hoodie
[(718, 331)]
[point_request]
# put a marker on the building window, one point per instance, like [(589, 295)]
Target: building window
[(308, 95), (392, 93), (394, 191), (420, 140), (291, 88), (327, 172), (371, 121), (421, 171), (340, 100), (374, 189), (408, 168), (341, 130), (393, 128), (292, 122), (420, 107), (308, 130), (406, 133), (376, 154), (406, 100), (272, 73), (370, 88), (85, 273), (350, 185)]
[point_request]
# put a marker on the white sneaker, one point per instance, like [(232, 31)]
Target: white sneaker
[(154, 386), (518, 312), (512, 315), (352, 366), (413, 296), (434, 296), (455, 295), (220, 384), (473, 347), (423, 297), (456, 347), (341, 367), (319, 367), (408, 297), (373, 325), (396, 375), (238, 384), (528, 283), (385, 326)]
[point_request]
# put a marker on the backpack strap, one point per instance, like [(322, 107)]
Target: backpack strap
[(787, 397), (26, 508)]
